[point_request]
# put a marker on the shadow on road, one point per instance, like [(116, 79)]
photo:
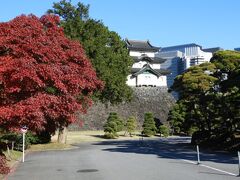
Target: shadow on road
[(170, 148)]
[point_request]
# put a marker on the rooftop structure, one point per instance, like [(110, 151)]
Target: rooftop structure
[(181, 57), (236, 49), (180, 47), (213, 50), (137, 45)]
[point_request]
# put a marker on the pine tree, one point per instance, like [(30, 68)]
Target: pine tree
[(164, 130), (113, 125), (131, 125), (149, 127), (120, 124)]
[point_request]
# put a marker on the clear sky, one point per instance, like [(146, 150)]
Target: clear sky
[(209, 23)]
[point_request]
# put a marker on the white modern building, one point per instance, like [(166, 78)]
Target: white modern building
[(181, 57), (146, 70)]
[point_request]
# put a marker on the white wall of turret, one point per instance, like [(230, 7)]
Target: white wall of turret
[(141, 53), (140, 64), (147, 79), (131, 81)]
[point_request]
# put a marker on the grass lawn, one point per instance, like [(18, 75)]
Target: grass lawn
[(74, 137), (90, 136), (49, 146)]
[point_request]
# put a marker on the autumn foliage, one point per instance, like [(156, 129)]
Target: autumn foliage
[(3, 168), (44, 77)]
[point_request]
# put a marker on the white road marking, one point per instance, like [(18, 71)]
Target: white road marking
[(218, 170), (192, 162)]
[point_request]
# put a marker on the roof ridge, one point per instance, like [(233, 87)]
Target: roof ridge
[(147, 67), (182, 45), (134, 40)]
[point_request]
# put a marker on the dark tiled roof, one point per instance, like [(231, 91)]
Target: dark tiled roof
[(156, 60), (141, 45), (157, 72), (179, 46)]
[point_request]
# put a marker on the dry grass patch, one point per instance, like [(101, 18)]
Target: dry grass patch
[(75, 137), (90, 136), (50, 146), (84, 136), (13, 156)]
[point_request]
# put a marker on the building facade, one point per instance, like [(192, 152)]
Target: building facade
[(181, 57), (236, 49), (146, 70)]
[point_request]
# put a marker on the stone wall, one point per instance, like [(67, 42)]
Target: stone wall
[(146, 99)]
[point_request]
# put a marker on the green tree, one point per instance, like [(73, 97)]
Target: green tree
[(210, 99), (195, 87), (131, 125), (120, 124), (164, 130), (113, 125), (197, 80), (149, 127), (105, 48), (228, 74), (177, 117)]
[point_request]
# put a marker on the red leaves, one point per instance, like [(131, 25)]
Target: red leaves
[(41, 74), (50, 21), (3, 165)]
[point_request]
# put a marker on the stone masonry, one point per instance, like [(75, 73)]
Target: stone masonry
[(145, 99)]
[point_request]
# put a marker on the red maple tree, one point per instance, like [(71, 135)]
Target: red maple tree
[(3, 165), (44, 77)]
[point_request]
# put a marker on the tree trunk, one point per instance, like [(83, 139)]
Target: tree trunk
[(62, 135)]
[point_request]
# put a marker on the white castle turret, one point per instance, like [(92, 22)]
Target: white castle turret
[(146, 70)]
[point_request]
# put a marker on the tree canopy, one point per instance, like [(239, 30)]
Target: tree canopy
[(209, 98), (196, 80), (44, 77), (105, 49)]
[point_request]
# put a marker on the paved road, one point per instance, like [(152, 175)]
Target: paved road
[(156, 159)]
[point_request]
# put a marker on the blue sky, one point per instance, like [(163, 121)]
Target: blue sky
[(209, 23)]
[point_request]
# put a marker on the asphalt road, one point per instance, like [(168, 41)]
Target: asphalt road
[(158, 159)]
